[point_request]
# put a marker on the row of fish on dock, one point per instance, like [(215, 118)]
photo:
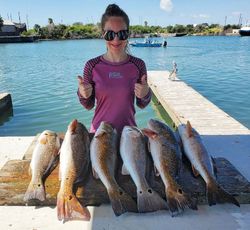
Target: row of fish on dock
[(77, 153)]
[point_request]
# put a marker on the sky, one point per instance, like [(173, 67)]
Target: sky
[(155, 12)]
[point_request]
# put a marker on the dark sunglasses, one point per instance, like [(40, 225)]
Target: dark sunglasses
[(109, 35)]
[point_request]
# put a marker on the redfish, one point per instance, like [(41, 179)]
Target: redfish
[(166, 155), (44, 159), (74, 163), (103, 153), (134, 156), (202, 165)]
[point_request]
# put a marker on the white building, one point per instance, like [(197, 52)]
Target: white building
[(10, 28)]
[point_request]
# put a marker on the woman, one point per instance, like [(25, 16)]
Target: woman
[(115, 78)]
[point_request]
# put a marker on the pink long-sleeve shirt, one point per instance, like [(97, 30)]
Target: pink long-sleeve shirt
[(113, 91)]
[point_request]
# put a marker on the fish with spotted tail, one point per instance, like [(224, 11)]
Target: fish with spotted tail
[(74, 164), (134, 156), (202, 164), (103, 154), (44, 159), (166, 155)]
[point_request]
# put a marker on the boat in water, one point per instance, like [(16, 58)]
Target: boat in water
[(148, 43), (244, 31)]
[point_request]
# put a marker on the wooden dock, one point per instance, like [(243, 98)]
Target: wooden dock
[(222, 135), (183, 103)]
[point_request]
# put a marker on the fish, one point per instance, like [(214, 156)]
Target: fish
[(74, 164), (202, 164), (103, 154), (134, 156), (44, 159), (166, 156)]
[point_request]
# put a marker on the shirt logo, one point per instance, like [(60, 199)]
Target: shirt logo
[(115, 75)]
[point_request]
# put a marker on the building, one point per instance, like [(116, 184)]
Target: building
[(10, 28)]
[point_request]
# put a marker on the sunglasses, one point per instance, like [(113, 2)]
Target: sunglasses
[(109, 35)]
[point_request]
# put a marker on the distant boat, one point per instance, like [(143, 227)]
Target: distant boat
[(148, 43), (180, 34), (244, 31)]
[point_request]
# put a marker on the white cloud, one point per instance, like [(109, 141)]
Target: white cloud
[(166, 5)]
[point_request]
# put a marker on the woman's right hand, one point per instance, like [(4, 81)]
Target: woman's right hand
[(85, 89)]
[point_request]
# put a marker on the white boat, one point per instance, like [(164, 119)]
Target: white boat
[(244, 31), (148, 42)]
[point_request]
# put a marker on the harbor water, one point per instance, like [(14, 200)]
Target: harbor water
[(42, 78)]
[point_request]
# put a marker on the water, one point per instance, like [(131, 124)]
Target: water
[(42, 78)]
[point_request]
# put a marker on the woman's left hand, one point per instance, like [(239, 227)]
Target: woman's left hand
[(141, 89)]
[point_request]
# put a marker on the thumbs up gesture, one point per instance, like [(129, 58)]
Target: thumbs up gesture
[(141, 89), (85, 89)]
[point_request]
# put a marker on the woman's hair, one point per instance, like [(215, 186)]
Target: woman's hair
[(114, 10)]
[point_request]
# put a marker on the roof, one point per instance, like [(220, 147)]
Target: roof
[(8, 23)]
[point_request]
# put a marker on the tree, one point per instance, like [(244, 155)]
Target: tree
[(50, 21), (170, 29), (37, 28), (50, 27)]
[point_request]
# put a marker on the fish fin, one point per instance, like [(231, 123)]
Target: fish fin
[(156, 171), (51, 166), (195, 171), (121, 202), (189, 129), (95, 174), (149, 133), (150, 201), (215, 194), (177, 200), (69, 208), (124, 170), (35, 191)]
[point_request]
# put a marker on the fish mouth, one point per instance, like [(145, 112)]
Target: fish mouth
[(49, 133), (153, 124), (133, 129), (106, 126)]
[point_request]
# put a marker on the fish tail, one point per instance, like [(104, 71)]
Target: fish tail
[(177, 200), (69, 208), (215, 194), (121, 202), (150, 201), (35, 191)]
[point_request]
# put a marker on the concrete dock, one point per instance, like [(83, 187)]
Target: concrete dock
[(222, 135)]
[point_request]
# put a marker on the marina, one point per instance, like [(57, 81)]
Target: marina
[(222, 135)]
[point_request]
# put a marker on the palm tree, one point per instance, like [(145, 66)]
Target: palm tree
[(50, 21)]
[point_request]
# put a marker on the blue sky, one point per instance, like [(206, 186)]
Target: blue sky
[(155, 12)]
